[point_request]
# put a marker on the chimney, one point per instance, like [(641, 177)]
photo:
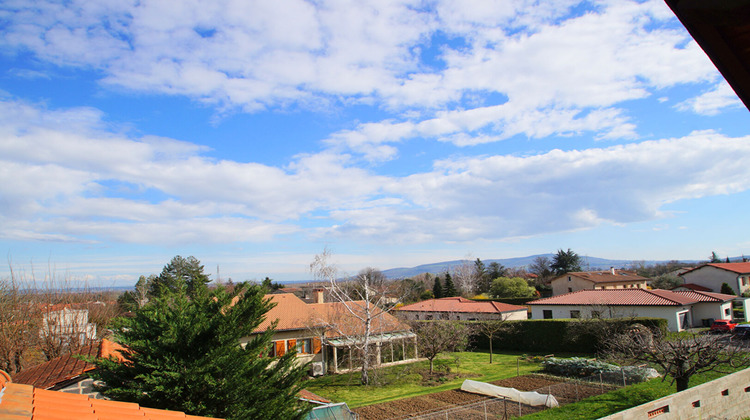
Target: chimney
[(318, 296), (612, 270)]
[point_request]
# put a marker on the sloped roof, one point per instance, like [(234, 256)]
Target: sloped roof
[(293, 313), (462, 305), (693, 286), (722, 29), (626, 297), (307, 395), (342, 320), (605, 276), (738, 267), (19, 401), (68, 366), (703, 296)]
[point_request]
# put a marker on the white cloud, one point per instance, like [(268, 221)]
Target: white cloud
[(713, 101), (64, 176)]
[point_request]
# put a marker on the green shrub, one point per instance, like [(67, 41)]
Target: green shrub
[(579, 367), (556, 335)]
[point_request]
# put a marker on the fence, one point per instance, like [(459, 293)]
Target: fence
[(501, 408)]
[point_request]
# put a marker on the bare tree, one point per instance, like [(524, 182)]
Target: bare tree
[(464, 276), (492, 329), (18, 323), (435, 337), (678, 357), (364, 300)]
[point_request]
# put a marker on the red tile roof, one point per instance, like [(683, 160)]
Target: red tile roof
[(24, 402), (463, 305), (307, 395), (738, 267), (632, 297), (68, 366), (605, 276), (294, 314), (693, 286)]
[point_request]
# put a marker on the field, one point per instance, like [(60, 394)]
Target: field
[(565, 393)]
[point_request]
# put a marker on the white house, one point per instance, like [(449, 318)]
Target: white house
[(681, 309), (68, 325), (607, 279), (459, 308), (713, 275)]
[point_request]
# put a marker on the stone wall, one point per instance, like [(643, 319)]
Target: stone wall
[(724, 398)]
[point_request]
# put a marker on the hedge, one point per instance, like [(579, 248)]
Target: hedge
[(553, 335)]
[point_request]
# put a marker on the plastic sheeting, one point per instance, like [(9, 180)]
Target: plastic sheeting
[(528, 398)]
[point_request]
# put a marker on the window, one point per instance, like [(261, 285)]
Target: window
[(575, 314), (444, 316), (428, 317), (570, 289), (596, 314), (416, 316), (547, 314), (568, 278), (304, 346), (726, 311)]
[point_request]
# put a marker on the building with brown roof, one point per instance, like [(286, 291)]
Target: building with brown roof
[(682, 310), (460, 308), (608, 279), (68, 372), (713, 275), (27, 402), (327, 333)]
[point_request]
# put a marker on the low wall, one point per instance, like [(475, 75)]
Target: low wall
[(724, 398)]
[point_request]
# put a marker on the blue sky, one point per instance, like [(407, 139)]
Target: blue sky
[(252, 134)]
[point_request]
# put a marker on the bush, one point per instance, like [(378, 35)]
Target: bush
[(579, 367), (555, 335)]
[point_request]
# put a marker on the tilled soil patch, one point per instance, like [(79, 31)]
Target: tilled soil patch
[(565, 393)]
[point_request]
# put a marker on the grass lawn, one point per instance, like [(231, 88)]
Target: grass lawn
[(404, 381), (621, 399)]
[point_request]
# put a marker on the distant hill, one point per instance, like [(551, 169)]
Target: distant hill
[(589, 264)]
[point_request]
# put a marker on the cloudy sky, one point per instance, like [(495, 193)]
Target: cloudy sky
[(252, 134)]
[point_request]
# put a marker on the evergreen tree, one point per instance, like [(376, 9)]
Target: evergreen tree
[(727, 289), (437, 288), (450, 288), (184, 354), (482, 278), (180, 275), (496, 270), (565, 262)]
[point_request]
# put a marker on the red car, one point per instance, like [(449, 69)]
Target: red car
[(723, 325)]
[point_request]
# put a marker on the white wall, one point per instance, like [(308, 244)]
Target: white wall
[(670, 313), (713, 277)]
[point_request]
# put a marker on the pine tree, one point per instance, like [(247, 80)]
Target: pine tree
[(437, 288), (184, 354), (450, 288), (180, 275)]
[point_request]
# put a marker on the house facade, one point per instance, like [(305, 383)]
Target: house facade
[(590, 280), (328, 334), (681, 309), (458, 308), (713, 275)]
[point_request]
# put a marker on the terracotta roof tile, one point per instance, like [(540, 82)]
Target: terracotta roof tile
[(303, 393), (623, 297), (67, 366), (692, 286), (18, 401), (738, 267), (702, 296), (605, 276), (294, 314), (459, 304)]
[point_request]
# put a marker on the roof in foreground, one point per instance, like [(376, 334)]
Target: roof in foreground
[(24, 402), (633, 297), (67, 366), (463, 305)]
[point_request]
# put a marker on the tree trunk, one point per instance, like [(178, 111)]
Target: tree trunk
[(431, 365), (682, 383), (490, 349)]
